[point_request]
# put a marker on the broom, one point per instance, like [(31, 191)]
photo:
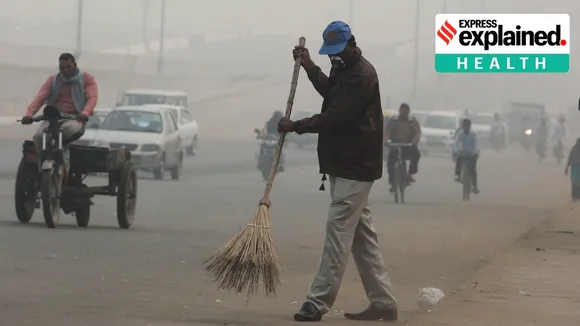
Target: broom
[(250, 258)]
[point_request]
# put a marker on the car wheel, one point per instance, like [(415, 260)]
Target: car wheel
[(191, 150)]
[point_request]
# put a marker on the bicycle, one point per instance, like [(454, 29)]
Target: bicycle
[(401, 177), (466, 176)]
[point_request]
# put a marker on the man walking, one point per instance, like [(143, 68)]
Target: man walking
[(350, 151)]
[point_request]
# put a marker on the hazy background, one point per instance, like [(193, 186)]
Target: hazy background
[(242, 49)]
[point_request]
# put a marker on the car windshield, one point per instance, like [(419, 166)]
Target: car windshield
[(142, 99), (137, 121), (482, 119), (440, 122)]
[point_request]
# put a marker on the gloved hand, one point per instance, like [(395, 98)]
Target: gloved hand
[(26, 120), (81, 118)]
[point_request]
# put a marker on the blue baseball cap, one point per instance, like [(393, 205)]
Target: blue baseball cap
[(335, 37)]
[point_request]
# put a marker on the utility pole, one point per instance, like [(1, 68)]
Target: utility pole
[(145, 26), (161, 38), (351, 13), (79, 28), (416, 63)]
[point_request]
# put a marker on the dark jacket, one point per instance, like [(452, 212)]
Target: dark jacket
[(350, 125)]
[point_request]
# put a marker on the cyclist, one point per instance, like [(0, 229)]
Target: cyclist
[(403, 129), (466, 148)]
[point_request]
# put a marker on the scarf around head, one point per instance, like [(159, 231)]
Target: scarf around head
[(77, 89)]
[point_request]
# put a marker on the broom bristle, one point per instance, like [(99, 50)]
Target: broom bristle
[(248, 259)]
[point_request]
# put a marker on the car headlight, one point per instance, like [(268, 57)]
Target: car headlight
[(150, 148), (528, 131)]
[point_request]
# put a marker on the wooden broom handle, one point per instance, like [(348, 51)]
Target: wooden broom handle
[(266, 199)]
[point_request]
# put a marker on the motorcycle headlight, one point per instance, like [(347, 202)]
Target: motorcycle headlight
[(150, 148), (528, 131)]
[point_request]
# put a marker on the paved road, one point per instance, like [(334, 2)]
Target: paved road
[(152, 274)]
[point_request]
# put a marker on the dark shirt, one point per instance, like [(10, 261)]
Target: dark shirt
[(350, 125)]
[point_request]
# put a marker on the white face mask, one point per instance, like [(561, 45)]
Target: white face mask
[(336, 61)]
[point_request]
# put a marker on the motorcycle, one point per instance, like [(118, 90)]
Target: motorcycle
[(559, 151), (265, 156), (527, 140), (54, 172)]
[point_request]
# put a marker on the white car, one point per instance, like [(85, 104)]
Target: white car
[(188, 128), (481, 123), (150, 133), (102, 113), (420, 115), (438, 131)]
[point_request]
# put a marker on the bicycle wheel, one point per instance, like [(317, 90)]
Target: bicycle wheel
[(396, 183), (466, 177), (402, 182)]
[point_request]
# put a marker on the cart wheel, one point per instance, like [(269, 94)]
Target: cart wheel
[(25, 193), (83, 215), (49, 192), (127, 196)]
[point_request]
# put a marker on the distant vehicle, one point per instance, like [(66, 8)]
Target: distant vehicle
[(303, 140), (438, 131), (188, 128), (150, 133), (522, 116), (481, 123), (99, 115), (153, 96), (102, 113), (419, 115)]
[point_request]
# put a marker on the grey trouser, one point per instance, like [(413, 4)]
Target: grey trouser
[(349, 228), (69, 129)]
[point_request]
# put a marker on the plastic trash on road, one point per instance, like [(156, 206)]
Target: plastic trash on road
[(427, 298)]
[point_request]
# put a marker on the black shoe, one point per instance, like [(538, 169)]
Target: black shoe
[(308, 312), (374, 313)]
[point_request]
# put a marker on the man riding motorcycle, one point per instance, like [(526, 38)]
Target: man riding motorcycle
[(403, 129), (73, 92)]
